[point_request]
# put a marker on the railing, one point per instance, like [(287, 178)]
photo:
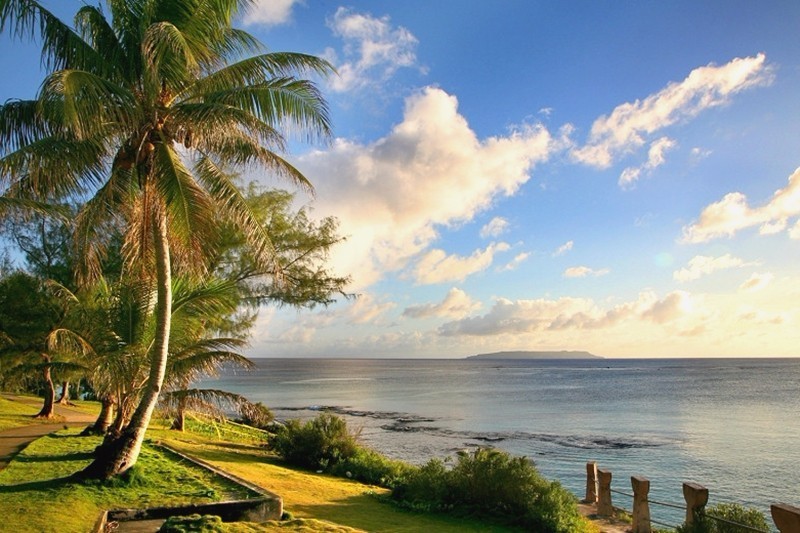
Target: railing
[(599, 491)]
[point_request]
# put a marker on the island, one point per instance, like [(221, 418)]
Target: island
[(563, 354)]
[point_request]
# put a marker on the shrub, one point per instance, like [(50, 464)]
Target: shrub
[(730, 512), (192, 523), (256, 415), (368, 466), (319, 443), (491, 483)]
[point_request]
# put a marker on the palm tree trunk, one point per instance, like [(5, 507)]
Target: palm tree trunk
[(50, 392), (104, 419), (64, 400), (116, 457)]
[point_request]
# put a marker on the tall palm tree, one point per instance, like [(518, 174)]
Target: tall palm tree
[(143, 114)]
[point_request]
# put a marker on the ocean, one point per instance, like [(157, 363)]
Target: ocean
[(732, 425)]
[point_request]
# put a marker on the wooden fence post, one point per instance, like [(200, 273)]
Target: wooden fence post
[(591, 482), (641, 507), (786, 518), (696, 497), (604, 506)]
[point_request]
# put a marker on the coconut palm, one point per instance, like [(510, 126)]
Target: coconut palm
[(142, 114)]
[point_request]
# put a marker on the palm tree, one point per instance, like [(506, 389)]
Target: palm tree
[(143, 114)]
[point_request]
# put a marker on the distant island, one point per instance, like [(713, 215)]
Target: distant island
[(563, 354)]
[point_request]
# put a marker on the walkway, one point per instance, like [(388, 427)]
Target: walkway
[(605, 525), (14, 440)]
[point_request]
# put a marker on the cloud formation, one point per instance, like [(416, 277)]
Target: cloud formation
[(629, 125), (514, 263), (430, 170), (456, 304), (494, 228), (269, 12), (732, 214), (584, 271), (703, 265), (757, 282), (527, 316), (564, 248), (655, 158), (373, 49), (437, 267)]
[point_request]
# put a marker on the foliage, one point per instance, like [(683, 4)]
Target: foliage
[(256, 415), (146, 110), (369, 466), (37, 481), (491, 483), (319, 443), (728, 512), (192, 523)]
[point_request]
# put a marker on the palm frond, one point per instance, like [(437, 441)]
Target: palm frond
[(92, 105), (201, 399), (282, 102), (61, 46), (189, 208)]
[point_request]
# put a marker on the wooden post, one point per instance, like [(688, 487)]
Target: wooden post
[(641, 507), (786, 517), (591, 482), (604, 506), (696, 497)]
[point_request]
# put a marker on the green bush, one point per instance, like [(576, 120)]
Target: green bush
[(493, 484), (731, 512), (256, 415), (368, 466), (192, 523), (319, 443)]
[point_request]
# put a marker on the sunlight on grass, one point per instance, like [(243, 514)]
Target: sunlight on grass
[(35, 490)]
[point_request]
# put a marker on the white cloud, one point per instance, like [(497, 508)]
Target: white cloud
[(269, 12), (430, 170), (756, 282), (732, 214), (542, 315), (494, 228), (627, 127), (456, 304), (518, 260), (373, 49), (584, 271), (438, 267), (703, 265), (655, 158), (564, 248), (366, 310)]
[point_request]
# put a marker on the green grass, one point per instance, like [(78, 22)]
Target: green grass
[(36, 494), (15, 414)]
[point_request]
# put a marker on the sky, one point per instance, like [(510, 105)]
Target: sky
[(616, 177)]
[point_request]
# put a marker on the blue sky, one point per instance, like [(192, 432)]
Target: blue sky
[(616, 177)]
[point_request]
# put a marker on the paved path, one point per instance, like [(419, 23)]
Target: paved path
[(14, 440)]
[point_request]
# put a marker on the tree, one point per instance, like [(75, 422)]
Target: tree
[(124, 100), (34, 339)]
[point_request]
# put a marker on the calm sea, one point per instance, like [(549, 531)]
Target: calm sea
[(732, 425)]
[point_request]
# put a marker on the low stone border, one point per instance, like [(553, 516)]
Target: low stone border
[(265, 506)]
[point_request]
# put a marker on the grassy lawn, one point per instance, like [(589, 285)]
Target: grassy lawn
[(310, 495), (36, 496), (21, 413)]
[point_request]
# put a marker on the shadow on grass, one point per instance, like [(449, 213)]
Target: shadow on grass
[(367, 512), (45, 484), (75, 456)]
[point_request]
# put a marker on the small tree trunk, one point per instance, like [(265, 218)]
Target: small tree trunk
[(104, 419), (180, 420), (64, 400), (117, 456), (50, 392)]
